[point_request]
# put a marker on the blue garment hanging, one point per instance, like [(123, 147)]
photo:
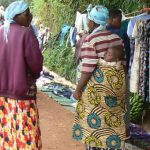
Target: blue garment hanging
[(64, 31), (73, 33)]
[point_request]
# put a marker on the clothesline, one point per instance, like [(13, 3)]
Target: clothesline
[(132, 14)]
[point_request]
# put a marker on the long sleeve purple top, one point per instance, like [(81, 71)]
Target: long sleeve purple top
[(20, 63)]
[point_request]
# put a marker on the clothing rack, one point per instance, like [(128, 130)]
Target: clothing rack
[(140, 68), (134, 13)]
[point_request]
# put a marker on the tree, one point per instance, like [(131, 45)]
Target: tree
[(54, 13), (5, 3)]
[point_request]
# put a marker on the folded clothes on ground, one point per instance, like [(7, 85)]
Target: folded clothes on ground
[(139, 138), (60, 90), (61, 93), (137, 132)]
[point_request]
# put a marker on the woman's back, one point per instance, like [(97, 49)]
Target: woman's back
[(20, 52), (21, 63), (95, 46)]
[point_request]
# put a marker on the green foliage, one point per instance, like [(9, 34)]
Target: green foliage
[(54, 13), (61, 60), (5, 3)]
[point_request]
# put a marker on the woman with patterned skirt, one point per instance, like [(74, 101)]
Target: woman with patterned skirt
[(100, 119), (21, 63)]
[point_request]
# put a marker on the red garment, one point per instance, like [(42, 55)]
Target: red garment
[(21, 63)]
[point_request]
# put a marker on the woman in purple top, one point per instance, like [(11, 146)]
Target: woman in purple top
[(21, 63)]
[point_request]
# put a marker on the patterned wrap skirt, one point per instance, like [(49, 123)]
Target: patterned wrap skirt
[(19, 125), (101, 114)]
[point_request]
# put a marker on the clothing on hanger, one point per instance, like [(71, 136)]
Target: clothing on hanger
[(64, 31), (139, 78), (135, 68), (78, 21), (144, 16), (72, 35), (85, 22)]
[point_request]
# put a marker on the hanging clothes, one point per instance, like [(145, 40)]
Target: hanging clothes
[(139, 77), (78, 21), (85, 22), (135, 68), (72, 35), (132, 44), (138, 30), (145, 16), (64, 31), (144, 35)]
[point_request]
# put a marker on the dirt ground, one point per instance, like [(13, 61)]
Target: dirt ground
[(56, 125)]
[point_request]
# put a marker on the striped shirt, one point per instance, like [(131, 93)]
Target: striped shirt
[(95, 46)]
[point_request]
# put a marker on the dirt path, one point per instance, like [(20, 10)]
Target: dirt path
[(56, 125)]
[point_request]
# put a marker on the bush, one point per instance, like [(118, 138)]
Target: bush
[(55, 13), (61, 60)]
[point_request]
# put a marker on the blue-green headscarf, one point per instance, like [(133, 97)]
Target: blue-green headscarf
[(99, 14), (11, 11)]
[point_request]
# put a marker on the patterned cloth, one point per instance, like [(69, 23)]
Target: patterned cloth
[(19, 125), (145, 16), (94, 148), (137, 132), (101, 116), (144, 35)]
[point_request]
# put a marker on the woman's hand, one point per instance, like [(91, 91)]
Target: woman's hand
[(82, 83), (77, 94)]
